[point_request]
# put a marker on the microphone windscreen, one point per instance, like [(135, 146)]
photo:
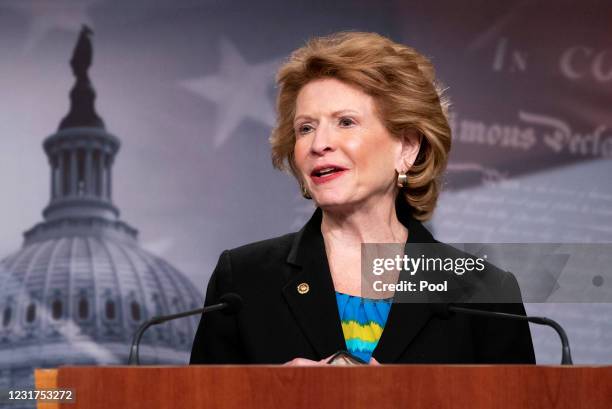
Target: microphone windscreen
[(234, 303)]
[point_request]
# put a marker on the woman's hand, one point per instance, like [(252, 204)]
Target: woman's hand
[(310, 362), (307, 362)]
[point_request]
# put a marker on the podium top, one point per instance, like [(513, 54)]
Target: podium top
[(367, 386)]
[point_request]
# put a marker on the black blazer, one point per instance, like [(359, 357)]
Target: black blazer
[(277, 323)]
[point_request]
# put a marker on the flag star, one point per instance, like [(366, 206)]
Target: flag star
[(239, 89), (46, 16)]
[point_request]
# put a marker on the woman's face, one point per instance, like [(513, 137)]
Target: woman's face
[(343, 152)]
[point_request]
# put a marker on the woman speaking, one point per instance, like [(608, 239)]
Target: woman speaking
[(363, 128)]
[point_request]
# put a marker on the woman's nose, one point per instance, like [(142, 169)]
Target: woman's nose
[(323, 140)]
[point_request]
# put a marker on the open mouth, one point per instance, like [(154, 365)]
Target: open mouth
[(324, 174), (325, 171)]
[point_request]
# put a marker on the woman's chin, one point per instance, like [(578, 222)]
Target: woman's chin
[(348, 201), (329, 202)]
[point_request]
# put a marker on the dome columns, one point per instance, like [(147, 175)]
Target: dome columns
[(81, 172), (81, 161)]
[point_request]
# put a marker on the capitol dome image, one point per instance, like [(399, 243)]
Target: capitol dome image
[(81, 285)]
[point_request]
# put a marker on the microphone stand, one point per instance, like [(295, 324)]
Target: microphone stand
[(566, 356), (134, 350)]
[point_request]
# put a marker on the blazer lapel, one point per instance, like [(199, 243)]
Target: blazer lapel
[(406, 319), (310, 292)]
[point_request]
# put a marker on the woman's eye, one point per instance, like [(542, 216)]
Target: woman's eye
[(346, 122), (302, 129)]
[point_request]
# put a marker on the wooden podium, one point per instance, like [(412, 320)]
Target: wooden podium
[(384, 386)]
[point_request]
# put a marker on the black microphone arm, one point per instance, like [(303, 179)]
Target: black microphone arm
[(230, 303), (566, 355)]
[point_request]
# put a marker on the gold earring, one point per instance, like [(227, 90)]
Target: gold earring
[(305, 193), (402, 180)]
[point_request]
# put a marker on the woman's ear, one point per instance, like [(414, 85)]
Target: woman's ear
[(410, 145)]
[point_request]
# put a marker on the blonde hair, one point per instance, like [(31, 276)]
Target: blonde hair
[(403, 84)]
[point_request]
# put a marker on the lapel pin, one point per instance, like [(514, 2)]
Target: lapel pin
[(303, 288)]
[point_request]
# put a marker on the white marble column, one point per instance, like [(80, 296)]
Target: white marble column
[(60, 173), (102, 174), (89, 185), (73, 173)]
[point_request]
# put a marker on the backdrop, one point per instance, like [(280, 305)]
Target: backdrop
[(188, 88)]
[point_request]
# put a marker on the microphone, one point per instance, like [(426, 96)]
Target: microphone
[(229, 304), (445, 310)]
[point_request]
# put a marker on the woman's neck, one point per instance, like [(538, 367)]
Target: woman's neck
[(367, 223)]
